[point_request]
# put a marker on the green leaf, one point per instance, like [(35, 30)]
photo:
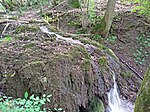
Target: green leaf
[(37, 98), (4, 97), (60, 109), (48, 99), (32, 97), (44, 95), (48, 96), (42, 101), (26, 95), (22, 102)]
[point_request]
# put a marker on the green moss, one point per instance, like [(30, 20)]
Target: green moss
[(126, 74), (102, 61), (28, 45), (51, 37), (80, 50), (74, 3), (142, 103), (25, 28), (53, 29), (99, 28), (36, 63), (77, 24), (95, 105), (6, 39), (33, 63), (111, 53), (94, 43), (76, 37), (86, 64)]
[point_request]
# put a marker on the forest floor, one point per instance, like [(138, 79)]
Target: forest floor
[(129, 37)]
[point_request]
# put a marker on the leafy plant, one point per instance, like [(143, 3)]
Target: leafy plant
[(92, 14), (74, 3), (26, 104), (112, 39), (144, 42), (23, 4), (2, 8), (6, 39), (81, 31), (143, 7)]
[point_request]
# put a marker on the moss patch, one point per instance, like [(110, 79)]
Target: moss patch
[(96, 105), (102, 61), (111, 53), (94, 43), (25, 28), (126, 74), (99, 28), (80, 50)]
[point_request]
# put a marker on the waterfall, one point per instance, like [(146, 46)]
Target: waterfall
[(115, 103)]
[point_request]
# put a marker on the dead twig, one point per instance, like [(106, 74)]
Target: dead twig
[(4, 29), (118, 36), (27, 21), (12, 21), (144, 22)]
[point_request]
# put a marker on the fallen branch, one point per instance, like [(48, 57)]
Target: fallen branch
[(12, 21), (131, 69), (27, 21), (144, 22)]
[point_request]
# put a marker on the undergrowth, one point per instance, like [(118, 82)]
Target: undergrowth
[(140, 54), (26, 104)]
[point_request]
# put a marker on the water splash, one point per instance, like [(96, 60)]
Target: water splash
[(116, 104)]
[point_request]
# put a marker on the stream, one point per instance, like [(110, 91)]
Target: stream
[(115, 104)]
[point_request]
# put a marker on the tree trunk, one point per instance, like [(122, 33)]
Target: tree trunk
[(85, 14), (142, 103), (104, 26), (83, 4)]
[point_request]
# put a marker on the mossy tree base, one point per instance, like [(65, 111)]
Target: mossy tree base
[(142, 103)]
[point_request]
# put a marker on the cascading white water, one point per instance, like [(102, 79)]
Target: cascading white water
[(115, 103)]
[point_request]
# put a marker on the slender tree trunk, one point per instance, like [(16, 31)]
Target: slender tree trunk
[(85, 13), (104, 26), (83, 5), (109, 15)]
